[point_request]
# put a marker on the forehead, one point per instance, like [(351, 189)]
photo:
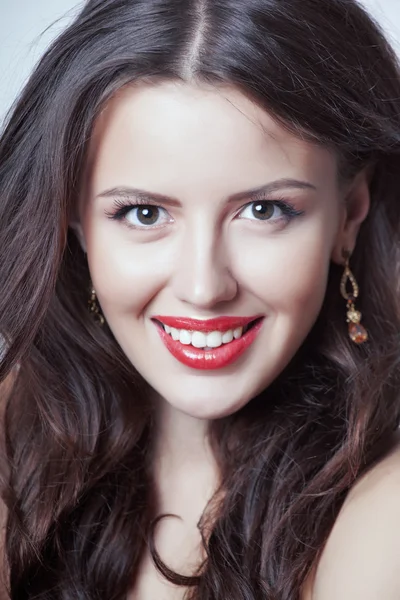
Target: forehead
[(169, 134)]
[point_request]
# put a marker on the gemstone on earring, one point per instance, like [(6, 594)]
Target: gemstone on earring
[(358, 334), (353, 315)]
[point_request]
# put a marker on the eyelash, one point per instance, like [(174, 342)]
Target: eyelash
[(123, 207)]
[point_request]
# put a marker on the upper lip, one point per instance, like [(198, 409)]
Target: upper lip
[(216, 324)]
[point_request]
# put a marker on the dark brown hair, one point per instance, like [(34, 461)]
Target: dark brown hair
[(77, 430)]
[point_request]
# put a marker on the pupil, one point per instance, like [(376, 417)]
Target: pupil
[(148, 215), (263, 210)]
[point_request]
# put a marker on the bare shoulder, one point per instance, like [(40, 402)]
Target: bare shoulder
[(361, 560)]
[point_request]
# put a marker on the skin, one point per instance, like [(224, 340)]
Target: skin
[(205, 257)]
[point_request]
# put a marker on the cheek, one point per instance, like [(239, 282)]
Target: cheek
[(302, 275), (289, 271), (125, 276), (286, 271)]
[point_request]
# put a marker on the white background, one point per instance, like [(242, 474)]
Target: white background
[(28, 26)]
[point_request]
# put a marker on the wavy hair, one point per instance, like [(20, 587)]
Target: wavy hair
[(77, 423)]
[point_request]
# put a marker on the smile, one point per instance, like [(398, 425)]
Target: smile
[(208, 344), (198, 339)]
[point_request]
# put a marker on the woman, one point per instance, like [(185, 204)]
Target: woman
[(199, 266)]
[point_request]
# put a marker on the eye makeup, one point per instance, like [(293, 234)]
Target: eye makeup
[(150, 210)]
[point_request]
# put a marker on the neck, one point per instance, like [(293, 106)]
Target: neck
[(181, 441), (183, 460)]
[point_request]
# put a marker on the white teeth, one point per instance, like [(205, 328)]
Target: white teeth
[(227, 337), (214, 339), (175, 334), (199, 339), (185, 337), (237, 333)]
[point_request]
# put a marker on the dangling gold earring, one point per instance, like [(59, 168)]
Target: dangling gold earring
[(357, 332), (94, 308)]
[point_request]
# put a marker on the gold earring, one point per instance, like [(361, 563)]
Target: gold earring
[(94, 308), (357, 332)]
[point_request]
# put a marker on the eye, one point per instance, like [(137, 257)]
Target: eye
[(269, 210), (151, 216), (140, 216), (146, 215)]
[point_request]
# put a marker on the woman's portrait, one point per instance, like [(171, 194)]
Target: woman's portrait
[(200, 306)]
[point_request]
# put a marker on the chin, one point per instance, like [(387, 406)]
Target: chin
[(207, 407)]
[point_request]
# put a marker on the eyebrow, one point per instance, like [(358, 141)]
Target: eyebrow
[(273, 186)]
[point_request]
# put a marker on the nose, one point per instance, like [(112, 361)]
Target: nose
[(202, 275)]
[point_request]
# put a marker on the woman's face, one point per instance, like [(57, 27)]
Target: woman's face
[(238, 218)]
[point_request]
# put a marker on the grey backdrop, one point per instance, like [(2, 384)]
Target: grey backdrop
[(28, 26)]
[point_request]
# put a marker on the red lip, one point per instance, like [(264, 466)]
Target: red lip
[(216, 358), (207, 325)]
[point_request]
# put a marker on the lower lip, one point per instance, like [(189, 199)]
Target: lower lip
[(210, 359)]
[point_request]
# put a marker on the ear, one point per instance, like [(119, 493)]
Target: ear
[(354, 210), (77, 228)]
